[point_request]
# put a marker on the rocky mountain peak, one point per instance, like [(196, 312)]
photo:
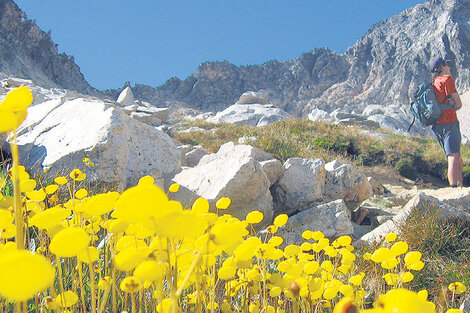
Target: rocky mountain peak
[(384, 67), (28, 52)]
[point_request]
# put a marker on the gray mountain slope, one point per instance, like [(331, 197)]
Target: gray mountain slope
[(28, 52), (384, 67)]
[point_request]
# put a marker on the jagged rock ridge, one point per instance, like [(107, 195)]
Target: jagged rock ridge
[(383, 67), (28, 52)]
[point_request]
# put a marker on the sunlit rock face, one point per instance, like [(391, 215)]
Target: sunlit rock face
[(28, 52)]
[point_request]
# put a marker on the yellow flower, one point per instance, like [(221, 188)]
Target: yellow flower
[(307, 234), (347, 290), (69, 242), (150, 270), (254, 217), (50, 217), (101, 204), (253, 308), (281, 220), (164, 306), (223, 203), (88, 162), (36, 195), (291, 250), (247, 249), (61, 180), (27, 185), (77, 175), (13, 109), (399, 248), (276, 241), (391, 278), (226, 272), (389, 263), (181, 224), (67, 299), (201, 205), (6, 218), (142, 203), (423, 294), (23, 275), (88, 255), (105, 283), (272, 229), (51, 189), (415, 266), (406, 277), (404, 301), (356, 280), (128, 259), (457, 287), (318, 235), (381, 254), (367, 256), (227, 233), (139, 230), (131, 284), (391, 237), (327, 266), (454, 311), (174, 188), (81, 193), (412, 257)]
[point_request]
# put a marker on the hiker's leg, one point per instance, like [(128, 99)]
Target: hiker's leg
[(454, 169)]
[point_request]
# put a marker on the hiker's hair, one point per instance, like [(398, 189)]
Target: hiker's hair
[(437, 73)]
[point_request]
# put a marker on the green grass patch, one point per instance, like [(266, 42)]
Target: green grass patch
[(412, 157)]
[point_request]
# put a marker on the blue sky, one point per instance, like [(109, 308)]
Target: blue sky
[(149, 41)]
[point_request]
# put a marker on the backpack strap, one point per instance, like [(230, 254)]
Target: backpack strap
[(414, 119)]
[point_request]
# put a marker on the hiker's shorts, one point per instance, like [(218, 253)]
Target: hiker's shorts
[(449, 137)]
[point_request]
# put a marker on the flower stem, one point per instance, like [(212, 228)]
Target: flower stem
[(17, 193)]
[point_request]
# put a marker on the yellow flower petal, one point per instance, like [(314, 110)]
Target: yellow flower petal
[(281, 220), (88, 255), (201, 205), (23, 275), (69, 242), (174, 188), (223, 203), (61, 180), (67, 299), (254, 217), (81, 193)]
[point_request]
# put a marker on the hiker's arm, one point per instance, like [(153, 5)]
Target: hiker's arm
[(455, 99)]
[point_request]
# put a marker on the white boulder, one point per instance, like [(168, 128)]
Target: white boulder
[(59, 133), (250, 115), (345, 182), (231, 173), (333, 219), (302, 184), (420, 204), (126, 97), (251, 97)]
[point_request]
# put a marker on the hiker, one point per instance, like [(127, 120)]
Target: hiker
[(447, 127)]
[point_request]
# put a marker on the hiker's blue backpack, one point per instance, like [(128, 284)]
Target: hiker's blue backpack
[(425, 108)]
